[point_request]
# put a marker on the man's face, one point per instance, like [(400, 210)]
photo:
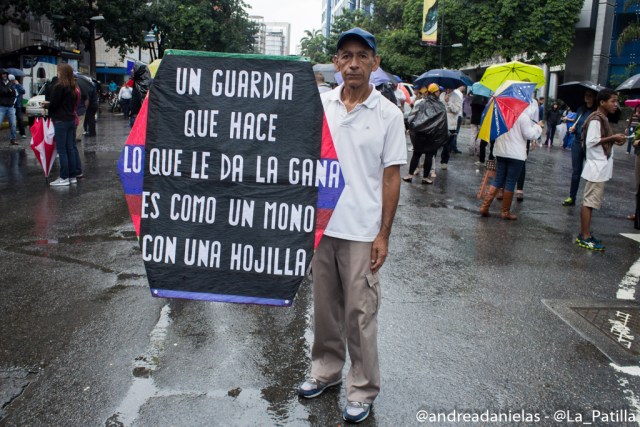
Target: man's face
[(355, 61), (4, 76), (610, 105)]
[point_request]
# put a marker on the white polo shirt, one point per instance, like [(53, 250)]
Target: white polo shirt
[(368, 139)]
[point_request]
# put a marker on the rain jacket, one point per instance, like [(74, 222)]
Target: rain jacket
[(142, 81)]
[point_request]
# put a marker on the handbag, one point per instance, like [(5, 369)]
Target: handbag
[(489, 174)]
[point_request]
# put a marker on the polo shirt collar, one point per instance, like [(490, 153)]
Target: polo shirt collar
[(370, 102)]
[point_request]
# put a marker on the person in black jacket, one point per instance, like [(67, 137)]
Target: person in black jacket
[(141, 82), (61, 99), (7, 100), (553, 118)]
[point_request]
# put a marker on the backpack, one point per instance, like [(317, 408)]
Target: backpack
[(386, 90)]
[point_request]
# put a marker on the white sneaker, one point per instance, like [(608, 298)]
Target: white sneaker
[(443, 166), (73, 181), (60, 182)]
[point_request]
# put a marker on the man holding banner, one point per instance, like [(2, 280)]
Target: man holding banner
[(368, 134)]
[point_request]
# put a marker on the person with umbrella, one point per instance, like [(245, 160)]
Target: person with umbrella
[(7, 102), (453, 103), (427, 143), (18, 105), (598, 168), (511, 153), (61, 100), (630, 131), (577, 152)]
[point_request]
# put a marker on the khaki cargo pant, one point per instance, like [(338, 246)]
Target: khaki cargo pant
[(346, 298)]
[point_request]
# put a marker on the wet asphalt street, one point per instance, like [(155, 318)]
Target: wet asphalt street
[(462, 323)]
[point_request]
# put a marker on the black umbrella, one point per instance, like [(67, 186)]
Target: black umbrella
[(631, 85), (572, 93)]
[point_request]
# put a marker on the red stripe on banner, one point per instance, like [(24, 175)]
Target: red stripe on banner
[(138, 135), (322, 219), (328, 150), (134, 202)]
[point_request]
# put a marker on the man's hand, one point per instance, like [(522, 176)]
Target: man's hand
[(379, 251), (619, 139), (572, 129)]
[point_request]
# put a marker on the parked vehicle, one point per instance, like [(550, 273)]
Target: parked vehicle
[(35, 107)]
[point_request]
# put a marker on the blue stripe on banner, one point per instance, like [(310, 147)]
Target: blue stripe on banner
[(131, 169), (328, 197), (199, 296), (328, 194)]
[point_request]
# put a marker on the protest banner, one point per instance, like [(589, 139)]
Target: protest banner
[(231, 177)]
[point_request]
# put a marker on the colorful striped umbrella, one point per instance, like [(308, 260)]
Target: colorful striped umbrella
[(504, 108)]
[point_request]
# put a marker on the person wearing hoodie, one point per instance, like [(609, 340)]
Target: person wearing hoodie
[(7, 101)]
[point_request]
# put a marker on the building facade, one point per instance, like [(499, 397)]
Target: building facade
[(37, 53), (334, 8), (272, 38), (594, 55)]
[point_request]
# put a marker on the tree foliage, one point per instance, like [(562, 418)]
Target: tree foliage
[(214, 25), (539, 31), (314, 46), (10, 12), (632, 31)]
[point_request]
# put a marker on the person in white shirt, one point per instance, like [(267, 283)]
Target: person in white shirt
[(453, 103), (511, 153), (323, 86), (368, 134), (400, 97), (598, 166), (124, 96)]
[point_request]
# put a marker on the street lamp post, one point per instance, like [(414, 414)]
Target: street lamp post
[(92, 43), (442, 46)]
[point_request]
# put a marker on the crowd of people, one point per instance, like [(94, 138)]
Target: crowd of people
[(507, 154), (71, 102), (589, 140)]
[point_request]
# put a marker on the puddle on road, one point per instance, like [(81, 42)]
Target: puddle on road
[(143, 386)]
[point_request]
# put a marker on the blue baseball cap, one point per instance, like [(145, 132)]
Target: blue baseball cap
[(365, 36)]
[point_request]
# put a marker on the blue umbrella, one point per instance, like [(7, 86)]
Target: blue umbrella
[(479, 89), (16, 72), (448, 79)]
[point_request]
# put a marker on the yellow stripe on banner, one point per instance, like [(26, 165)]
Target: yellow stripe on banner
[(485, 126), (430, 22)]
